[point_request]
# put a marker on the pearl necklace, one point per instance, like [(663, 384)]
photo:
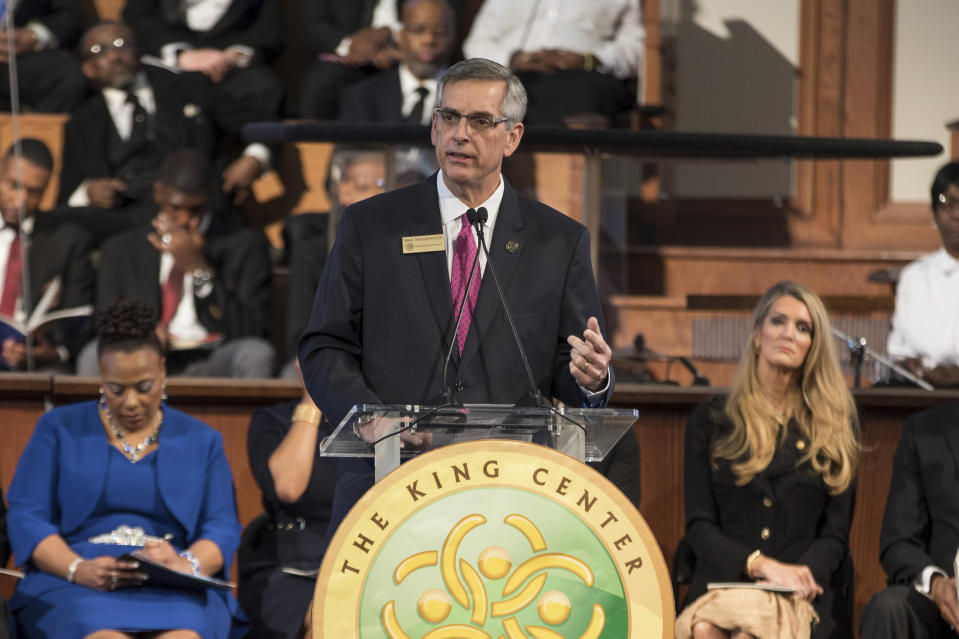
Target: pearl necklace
[(133, 451)]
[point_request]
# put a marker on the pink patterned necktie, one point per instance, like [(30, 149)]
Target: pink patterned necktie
[(464, 252)]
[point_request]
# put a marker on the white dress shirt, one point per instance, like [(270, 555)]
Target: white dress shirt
[(409, 83), (925, 323), (202, 15), (611, 30), (185, 324)]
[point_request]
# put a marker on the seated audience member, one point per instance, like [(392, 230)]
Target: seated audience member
[(350, 40), (297, 485), (48, 75), (920, 533), (126, 473), (210, 284), (406, 93), (115, 142), (573, 57), (770, 481), (923, 337), (354, 175), (231, 42), (53, 257)]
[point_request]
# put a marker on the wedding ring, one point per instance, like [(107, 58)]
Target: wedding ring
[(114, 579), (584, 366), (166, 239)]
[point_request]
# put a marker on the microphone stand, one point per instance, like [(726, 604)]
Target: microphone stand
[(858, 349), (534, 398)]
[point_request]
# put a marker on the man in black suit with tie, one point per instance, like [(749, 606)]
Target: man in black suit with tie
[(232, 42), (49, 76), (61, 255), (384, 312), (920, 533), (406, 93), (209, 282), (117, 139)]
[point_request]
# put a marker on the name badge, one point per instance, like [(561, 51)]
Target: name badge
[(423, 243)]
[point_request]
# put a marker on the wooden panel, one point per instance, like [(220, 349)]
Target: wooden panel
[(47, 127)]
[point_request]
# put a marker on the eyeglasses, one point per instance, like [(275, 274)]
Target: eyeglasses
[(948, 205), (101, 48), (477, 122)]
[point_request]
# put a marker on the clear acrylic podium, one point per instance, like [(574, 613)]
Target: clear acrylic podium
[(587, 434)]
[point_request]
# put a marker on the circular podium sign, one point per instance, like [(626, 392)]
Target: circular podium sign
[(493, 539)]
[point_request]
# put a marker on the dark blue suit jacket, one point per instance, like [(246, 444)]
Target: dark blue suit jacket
[(382, 320)]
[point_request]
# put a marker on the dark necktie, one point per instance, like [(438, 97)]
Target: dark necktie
[(139, 124), (464, 252), (11, 281), (416, 114), (170, 293)]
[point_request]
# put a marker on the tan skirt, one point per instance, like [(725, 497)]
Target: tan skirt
[(762, 614)]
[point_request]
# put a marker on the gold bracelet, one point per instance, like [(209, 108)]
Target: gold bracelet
[(307, 413), (750, 560), (588, 61)]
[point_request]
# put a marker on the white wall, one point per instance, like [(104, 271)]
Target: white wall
[(737, 73), (925, 88)]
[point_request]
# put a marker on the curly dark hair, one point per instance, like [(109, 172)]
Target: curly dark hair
[(127, 325)]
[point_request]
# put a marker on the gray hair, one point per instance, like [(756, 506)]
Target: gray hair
[(513, 105)]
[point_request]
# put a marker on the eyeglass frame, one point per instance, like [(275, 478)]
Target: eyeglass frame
[(97, 49), (440, 111)]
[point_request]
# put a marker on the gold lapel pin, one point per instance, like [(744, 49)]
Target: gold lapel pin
[(512, 246)]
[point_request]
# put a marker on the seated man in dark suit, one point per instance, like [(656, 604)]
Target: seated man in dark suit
[(920, 533), (406, 93), (117, 139), (49, 76), (350, 40), (57, 258), (209, 283), (232, 42)]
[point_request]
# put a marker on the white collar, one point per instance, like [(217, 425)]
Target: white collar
[(944, 263), (116, 98), (451, 207), (409, 82), (26, 226)]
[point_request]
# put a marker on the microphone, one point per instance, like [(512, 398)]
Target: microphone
[(447, 397), (534, 397), (639, 346)]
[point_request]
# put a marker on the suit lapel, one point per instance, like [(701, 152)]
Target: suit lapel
[(509, 227), (435, 273)]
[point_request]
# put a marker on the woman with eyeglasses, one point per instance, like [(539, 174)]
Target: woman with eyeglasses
[(124, 473), (923, 337)]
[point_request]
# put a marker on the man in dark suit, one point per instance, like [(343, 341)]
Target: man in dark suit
[(384, 312), (406, 93), (59, 257), (920, 533), (49, 76), (231, 42), (209, 283), (115, 142)]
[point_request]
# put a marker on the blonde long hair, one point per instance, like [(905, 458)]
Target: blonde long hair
[(826, 414)]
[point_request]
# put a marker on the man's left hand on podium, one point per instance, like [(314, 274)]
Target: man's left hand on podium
[(589, 357), (380, 427)]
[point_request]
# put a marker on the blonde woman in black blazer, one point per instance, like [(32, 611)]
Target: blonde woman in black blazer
[(770, 481)]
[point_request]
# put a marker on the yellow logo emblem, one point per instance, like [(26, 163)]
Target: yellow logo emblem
[(493, 540)]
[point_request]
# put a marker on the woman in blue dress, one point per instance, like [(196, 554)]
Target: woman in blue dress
[(103, 478)]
